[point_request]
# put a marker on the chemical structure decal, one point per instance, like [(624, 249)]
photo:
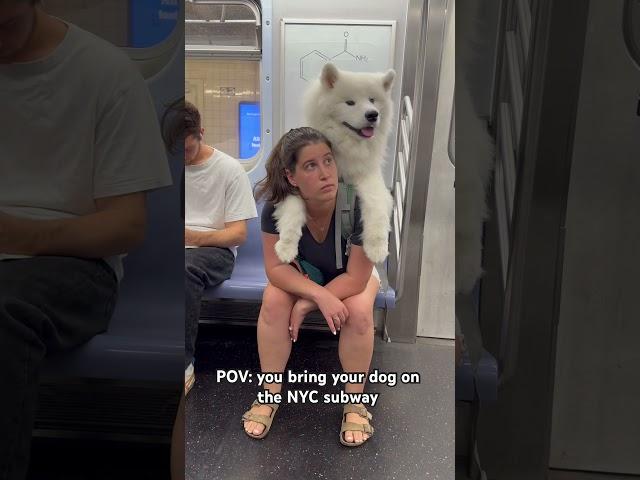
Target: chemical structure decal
[(312, 62)]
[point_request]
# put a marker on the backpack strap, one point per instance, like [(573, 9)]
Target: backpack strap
[(344, 219), (348, 213)]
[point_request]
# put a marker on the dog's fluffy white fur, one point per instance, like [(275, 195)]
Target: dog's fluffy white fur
[(474, 164), (359, 141), (474, 145)]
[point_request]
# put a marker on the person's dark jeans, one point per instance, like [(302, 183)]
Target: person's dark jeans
[(47, 305), (204, 267)]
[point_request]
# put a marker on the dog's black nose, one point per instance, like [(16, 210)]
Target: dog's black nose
[(371, 115)]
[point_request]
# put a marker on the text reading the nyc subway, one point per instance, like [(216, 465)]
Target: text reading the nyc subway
[(390, 379)]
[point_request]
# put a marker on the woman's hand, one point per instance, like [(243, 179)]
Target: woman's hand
[(334, 311), (298, 313)]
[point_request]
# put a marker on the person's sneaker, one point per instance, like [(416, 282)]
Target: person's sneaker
[(189, 378)]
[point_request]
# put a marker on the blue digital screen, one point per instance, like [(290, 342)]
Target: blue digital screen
[(151, 21), (249, 128)]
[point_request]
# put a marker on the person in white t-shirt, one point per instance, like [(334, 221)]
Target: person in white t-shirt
[(218, 203), (79, 147)]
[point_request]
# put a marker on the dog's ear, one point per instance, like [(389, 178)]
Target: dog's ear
[(387, 79), (329, 75)]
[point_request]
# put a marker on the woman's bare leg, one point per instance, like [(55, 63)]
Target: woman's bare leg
[(355, 346), (274, 343)]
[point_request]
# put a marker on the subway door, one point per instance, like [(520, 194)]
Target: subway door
[(436, 309), (596, 422)]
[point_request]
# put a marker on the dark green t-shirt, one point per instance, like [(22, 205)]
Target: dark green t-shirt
[(321, 255)]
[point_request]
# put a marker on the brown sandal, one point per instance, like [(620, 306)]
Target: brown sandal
[(263, 419), (355, 427)]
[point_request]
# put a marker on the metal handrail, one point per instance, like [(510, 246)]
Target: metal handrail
[(508, 156), (247, 3), (502, 221), (408, 109), (226, 51), (451, 145), (515, 81), (524, 22), (205, 21), (400, 179)]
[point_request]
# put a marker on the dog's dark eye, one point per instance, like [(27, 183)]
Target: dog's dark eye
[(372, 100), (350, 103)]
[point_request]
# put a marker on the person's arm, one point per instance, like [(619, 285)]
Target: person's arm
[(359, 267), (239, 207), (287, 278), (354, 280), (348, 284), (284, 276), (116, 227), (233, 234)]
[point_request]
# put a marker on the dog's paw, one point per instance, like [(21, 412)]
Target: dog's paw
[(376, 249), (286, 251)]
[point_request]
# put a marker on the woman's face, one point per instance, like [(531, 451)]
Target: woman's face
[(316, 174)]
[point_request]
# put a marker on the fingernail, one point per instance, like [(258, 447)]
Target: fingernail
[(334, 332), (290, 328)]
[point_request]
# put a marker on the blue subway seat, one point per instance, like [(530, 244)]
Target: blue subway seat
[(144, 341), (145, 338), (481, 384), (249, 279)]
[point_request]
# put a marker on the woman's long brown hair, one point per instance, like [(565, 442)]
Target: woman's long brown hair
[(284, 156)]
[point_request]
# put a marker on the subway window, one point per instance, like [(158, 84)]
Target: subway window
[(227, 93), (222, 74)]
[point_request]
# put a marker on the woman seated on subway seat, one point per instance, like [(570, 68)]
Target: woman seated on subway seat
[(302, 164)]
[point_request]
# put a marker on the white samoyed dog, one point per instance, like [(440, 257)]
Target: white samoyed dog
[(475, 149), (354, 111)]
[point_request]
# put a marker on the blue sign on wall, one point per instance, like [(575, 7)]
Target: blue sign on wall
[(151, 21), (249, 128)]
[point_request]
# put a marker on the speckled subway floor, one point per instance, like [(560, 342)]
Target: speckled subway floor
[(414, 424)]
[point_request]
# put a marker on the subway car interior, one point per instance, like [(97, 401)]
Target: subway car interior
[(245, 65), (547, 142), (266, 54), (113, 401), (489, 276)]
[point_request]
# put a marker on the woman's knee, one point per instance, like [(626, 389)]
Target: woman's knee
[(276, 306), (360, 320)]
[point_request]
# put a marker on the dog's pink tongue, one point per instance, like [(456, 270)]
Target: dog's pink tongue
[(367, 132)]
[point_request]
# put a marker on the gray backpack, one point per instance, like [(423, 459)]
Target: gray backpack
[(344, 219)]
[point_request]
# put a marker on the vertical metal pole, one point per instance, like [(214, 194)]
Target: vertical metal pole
[(402, 321)]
